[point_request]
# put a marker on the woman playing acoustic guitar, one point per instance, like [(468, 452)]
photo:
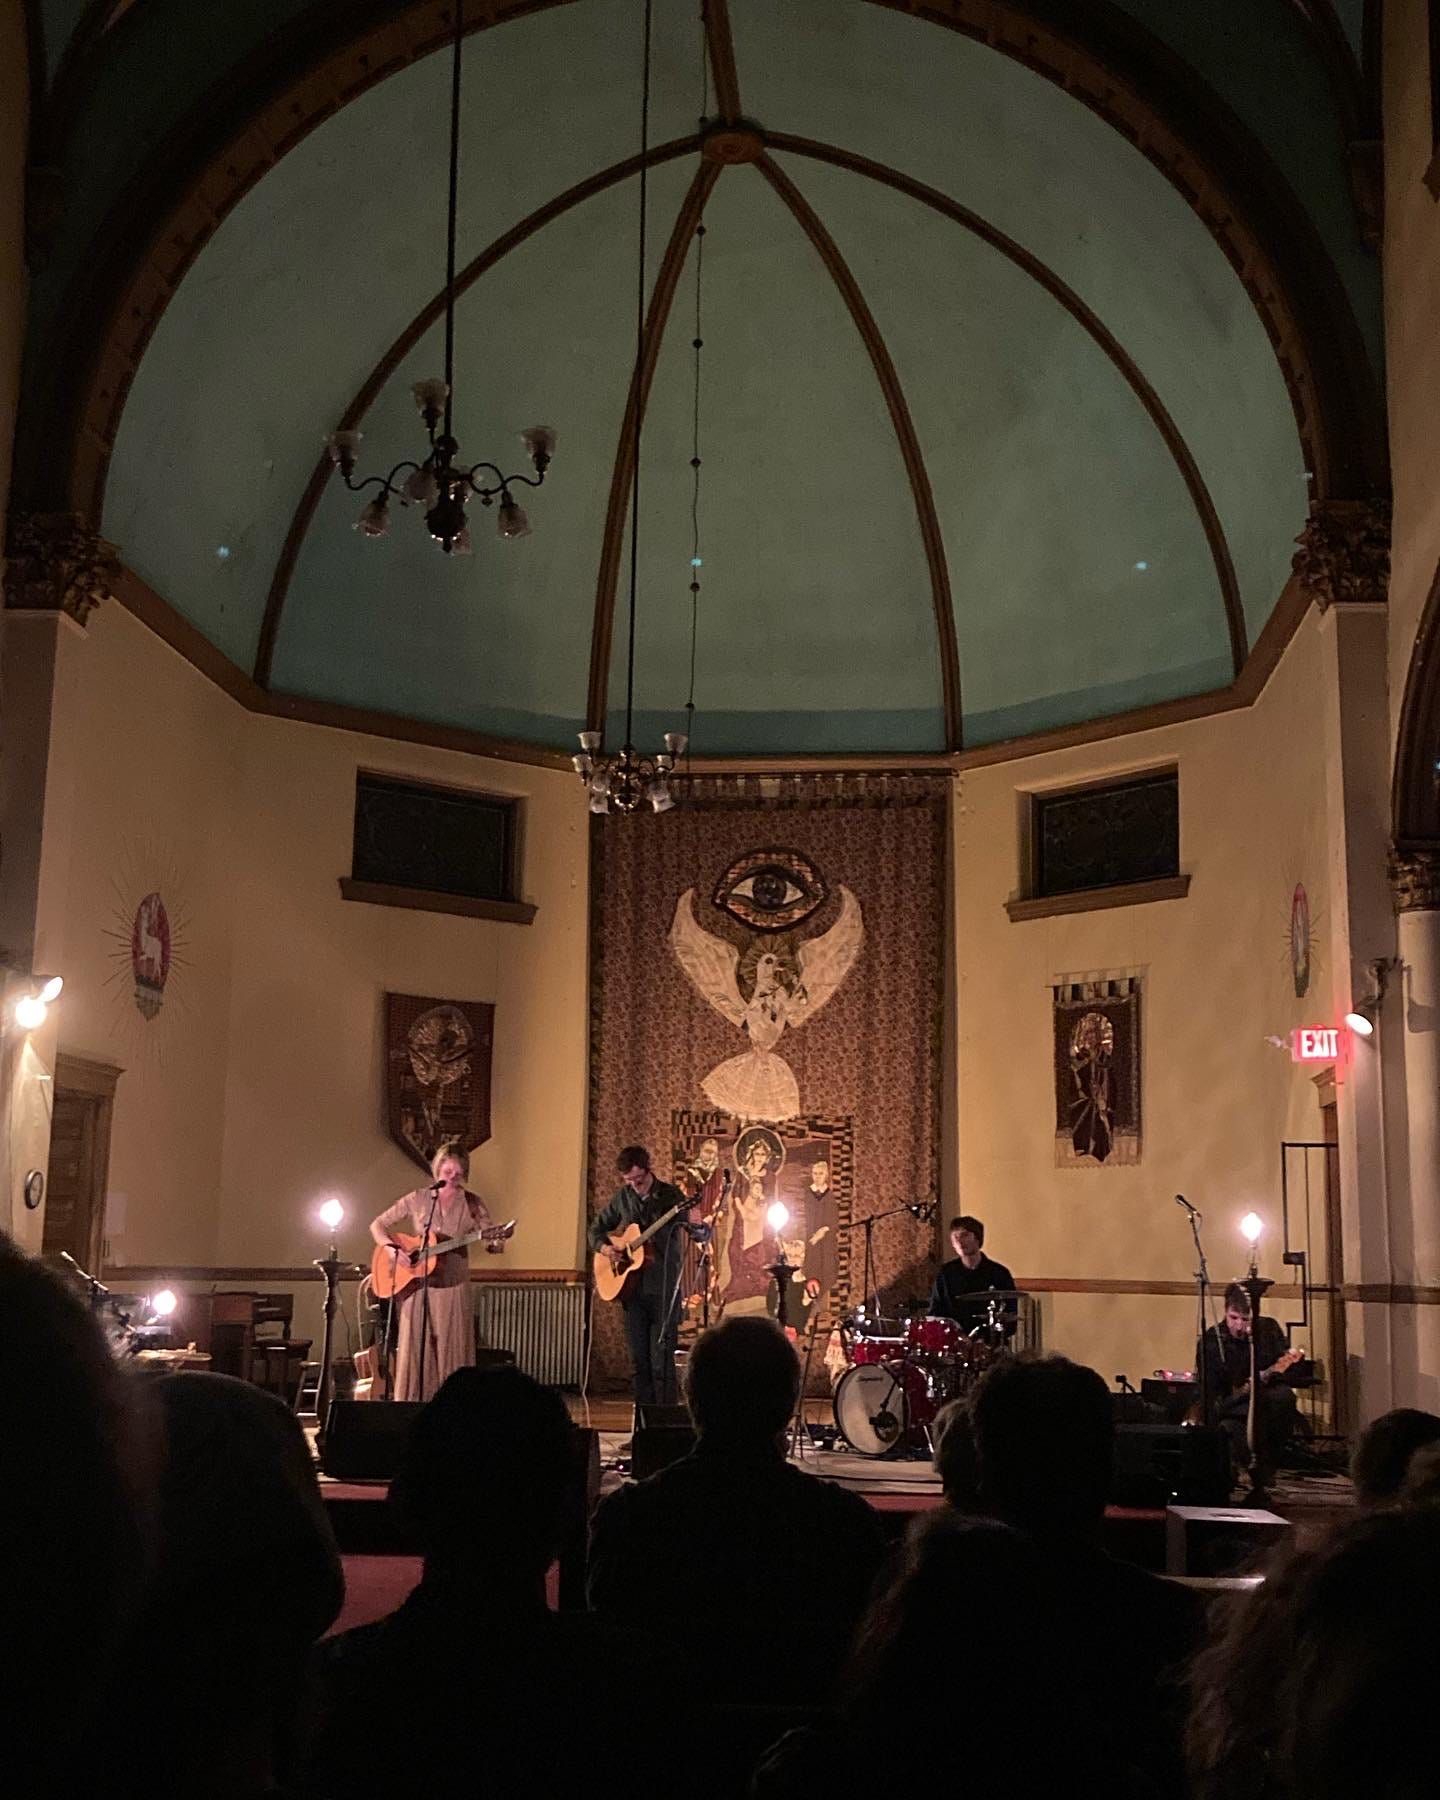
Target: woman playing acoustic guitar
[(448, 1334)]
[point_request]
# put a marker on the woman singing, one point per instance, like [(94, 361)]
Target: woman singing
[(448, 1334)]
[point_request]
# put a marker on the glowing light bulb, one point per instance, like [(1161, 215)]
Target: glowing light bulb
[(778, 1217), (163, 1303), (332, 1213), (30, 1012), (1251, 1227)]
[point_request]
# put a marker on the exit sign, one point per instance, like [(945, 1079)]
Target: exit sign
[(1315, 1043)]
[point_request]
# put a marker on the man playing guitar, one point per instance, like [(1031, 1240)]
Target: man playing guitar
[(1225, 1349), (651, 1298)]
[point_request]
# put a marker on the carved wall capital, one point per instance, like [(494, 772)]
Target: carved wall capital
[(56, 563), (1415, 877), (1343, 553)]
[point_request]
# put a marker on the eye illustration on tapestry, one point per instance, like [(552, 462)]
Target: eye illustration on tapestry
[(770, 982), (1097, 1071)]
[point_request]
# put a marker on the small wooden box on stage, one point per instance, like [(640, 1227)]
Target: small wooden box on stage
[(1219, 1540)]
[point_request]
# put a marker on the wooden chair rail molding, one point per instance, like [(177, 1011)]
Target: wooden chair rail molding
[(135, 1275), (126, 1276)]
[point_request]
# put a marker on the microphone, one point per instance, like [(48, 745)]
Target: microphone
[(437, 1187), (923, 1210), (1193, 1211)]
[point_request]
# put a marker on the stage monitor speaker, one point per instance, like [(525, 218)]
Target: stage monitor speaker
[(650, 1413), (1158, 1464), (365, 1439), (659, 1443)]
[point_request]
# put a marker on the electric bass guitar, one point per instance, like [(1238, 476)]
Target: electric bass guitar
[(614, 1274), (410, 1258), (1278, 1367)]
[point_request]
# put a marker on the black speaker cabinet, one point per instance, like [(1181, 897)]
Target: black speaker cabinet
[(655, 1447), (365, 1439), (1158, 1464)]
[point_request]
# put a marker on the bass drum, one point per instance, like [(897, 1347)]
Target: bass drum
[(879, 1405)]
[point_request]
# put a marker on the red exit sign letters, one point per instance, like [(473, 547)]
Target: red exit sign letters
[(1315, 1043)]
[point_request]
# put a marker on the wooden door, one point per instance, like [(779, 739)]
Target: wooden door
[(79, 1160)]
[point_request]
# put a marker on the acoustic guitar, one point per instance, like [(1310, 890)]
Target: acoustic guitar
[(394, 1266), (612, 1277)]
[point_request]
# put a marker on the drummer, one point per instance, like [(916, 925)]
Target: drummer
[(961, 1283)]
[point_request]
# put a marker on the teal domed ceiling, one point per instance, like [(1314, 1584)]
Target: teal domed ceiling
[(994, 438)]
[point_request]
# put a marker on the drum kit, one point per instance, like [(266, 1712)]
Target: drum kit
[(902, 1371)]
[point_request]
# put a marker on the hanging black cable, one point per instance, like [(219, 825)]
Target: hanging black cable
[(639, 383)]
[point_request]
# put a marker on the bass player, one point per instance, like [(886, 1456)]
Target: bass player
[(651, 1298)]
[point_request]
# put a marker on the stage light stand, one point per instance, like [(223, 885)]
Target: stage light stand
[(332, 1269)]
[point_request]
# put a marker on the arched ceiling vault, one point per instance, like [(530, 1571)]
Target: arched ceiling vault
[(820, 188)]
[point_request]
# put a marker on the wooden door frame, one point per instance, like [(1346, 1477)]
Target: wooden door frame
[(96, 1080)]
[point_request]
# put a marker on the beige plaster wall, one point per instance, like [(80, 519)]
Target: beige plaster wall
[(1217, 1098), (1412, 327), (256, 1091)]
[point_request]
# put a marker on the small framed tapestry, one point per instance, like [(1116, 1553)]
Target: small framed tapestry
[(1097, 1071)]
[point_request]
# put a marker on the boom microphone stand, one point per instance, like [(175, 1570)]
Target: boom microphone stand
[(1202, 1301), (923, 1210)]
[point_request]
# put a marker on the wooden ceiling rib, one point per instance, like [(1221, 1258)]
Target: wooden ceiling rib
[(1089, 321), (720, 44), (401, 348), (923, 495), (662, 297)]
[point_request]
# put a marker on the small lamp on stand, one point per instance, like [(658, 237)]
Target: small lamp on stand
[(1252, 1227), (332, 1216), (777, 1218)]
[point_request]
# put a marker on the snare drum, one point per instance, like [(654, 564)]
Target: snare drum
[(933, 1337), (878, 1405)]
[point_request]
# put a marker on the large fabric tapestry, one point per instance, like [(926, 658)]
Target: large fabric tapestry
[(766, 991)]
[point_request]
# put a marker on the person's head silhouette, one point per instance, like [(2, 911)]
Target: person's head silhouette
[(1044, 1438), (742, 1383)]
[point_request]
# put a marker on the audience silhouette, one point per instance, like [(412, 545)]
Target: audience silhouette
[(1384, 1452), (246, 1578), (474, 1687), (168, 1553), (760, 1570), (1320, 1684), (76, 1449), (1044, 1440)]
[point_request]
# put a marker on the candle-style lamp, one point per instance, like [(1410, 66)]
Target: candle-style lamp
[(1252, 1228)]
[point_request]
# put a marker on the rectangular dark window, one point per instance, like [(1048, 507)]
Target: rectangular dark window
[(1434, 46), (1097, 837), (408, 834)]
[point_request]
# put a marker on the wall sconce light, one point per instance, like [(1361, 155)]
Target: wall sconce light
[(32, 1009), (1363, 1019)]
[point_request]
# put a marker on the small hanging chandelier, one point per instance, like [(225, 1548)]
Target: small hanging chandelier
[(625, 783), (441, 483)]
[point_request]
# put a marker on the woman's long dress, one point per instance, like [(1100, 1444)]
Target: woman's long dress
[(448, 1333)]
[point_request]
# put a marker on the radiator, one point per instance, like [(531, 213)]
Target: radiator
[(543, 1322)]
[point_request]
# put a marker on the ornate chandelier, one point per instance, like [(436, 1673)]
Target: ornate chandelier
[(630, 780), (441, 482)]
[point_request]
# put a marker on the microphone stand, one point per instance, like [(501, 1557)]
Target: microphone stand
[(1202, 1295), (868, 1224), (425, 1288)]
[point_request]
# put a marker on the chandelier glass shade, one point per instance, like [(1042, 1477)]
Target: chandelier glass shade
[(442, 482)]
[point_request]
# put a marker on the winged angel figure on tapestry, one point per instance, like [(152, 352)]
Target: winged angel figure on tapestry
[(761, 992)]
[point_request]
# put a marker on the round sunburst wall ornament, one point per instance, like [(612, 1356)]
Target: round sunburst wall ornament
[(147, 933)]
